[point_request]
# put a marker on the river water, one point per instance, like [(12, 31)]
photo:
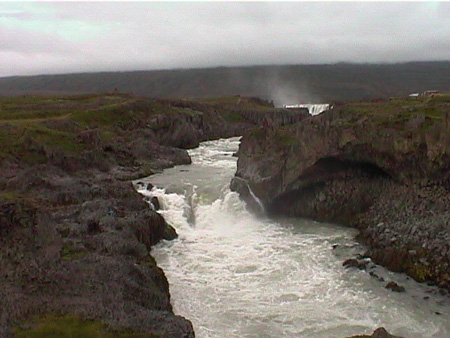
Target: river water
[(237, 275)]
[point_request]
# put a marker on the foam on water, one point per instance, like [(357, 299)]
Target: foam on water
[(235, 275)]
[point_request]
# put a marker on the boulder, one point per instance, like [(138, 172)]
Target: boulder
[(378, 333), (393, 286), (355, 263), (150, 227)]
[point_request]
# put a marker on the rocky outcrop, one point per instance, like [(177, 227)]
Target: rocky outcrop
[(383, 167), (75, 237), (80, 245), (378, 333), (206, 121)]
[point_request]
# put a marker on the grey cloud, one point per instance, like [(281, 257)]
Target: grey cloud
[(31, 42), (15, 15), (128, 36)]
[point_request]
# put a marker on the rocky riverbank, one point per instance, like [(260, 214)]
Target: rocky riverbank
[(79, 244), (75, 235), (381, 166)]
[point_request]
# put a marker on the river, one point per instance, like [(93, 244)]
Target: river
[(234, 274)]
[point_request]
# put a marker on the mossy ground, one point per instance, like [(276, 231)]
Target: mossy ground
[(71, 326), (10, 195), (69, 253), (234, 117), (395, 112), (31, 126)]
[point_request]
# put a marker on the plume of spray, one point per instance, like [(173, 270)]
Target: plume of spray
[(284, 91)]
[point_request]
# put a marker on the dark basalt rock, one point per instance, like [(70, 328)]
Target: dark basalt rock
[(150, 227), (86, 252), (374, 275), (393, 286), (355, 263), (382, 333), (155, 202), (378, 333), (360, 166)]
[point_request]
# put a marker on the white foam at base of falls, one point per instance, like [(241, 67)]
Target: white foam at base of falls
[(238, 276)]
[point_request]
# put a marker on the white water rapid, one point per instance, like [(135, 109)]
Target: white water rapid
[(236, 275)]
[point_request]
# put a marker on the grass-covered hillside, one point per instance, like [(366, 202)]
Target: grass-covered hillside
[(32, 128), (395, 111)]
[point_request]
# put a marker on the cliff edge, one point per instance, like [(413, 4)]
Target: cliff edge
[(75, 236), (381, 166)]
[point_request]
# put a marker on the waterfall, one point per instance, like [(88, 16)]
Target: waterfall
[(256, 199), (252, 195), (313, 108), (237, 275)]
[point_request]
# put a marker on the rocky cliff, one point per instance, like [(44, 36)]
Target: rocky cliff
[(381, 166), (75, 237), (80, 246)]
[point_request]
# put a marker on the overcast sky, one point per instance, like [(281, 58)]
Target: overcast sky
[(39, 38)]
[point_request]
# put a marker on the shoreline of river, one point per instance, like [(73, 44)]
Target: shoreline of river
[(172, 180), (76, 237), (382, 167)]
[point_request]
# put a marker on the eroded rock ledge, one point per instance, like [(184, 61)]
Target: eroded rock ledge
[(383, 167)]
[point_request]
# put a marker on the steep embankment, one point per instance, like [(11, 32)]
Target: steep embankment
[(383, 167), (75, 236)]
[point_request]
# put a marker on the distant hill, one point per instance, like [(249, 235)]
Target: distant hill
[(283, 84)]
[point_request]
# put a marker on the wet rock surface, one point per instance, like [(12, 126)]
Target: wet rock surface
[(394, 287), (381, 167), (355, 263), (378, 333)]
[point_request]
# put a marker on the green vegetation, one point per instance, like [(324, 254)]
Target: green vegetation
[(69, 253), (33, 127), (258, 134), (103, 117), (284, 137), (10, 195), (396, 112), (234, 117), (441, 98), (420, 272), (72, 326)]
